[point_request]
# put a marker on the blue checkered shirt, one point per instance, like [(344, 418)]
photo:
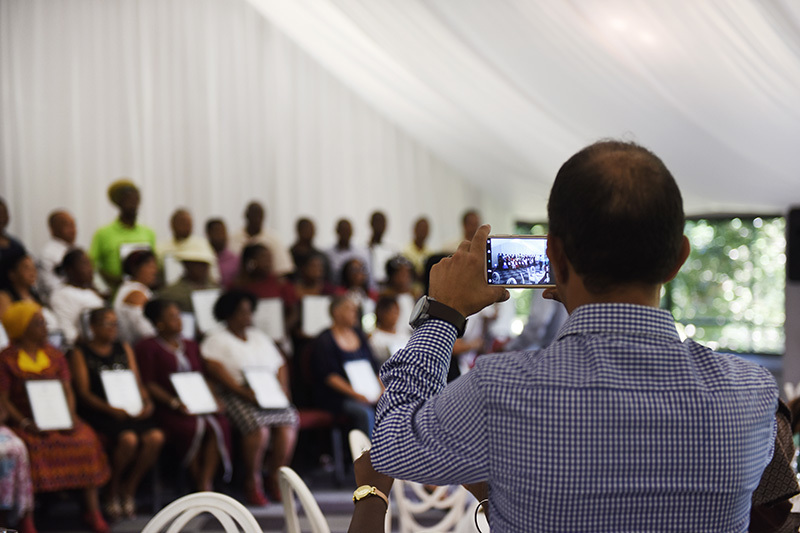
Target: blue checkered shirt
[(617, 426)]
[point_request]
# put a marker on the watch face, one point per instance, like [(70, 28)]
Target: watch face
[(362, 492), (420, 308)]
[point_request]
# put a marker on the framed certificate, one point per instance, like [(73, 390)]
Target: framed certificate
[(363, 379), (316, 315), (269, 318), (188, 331), (269, 393), (193, 392), (203, 302), (122, 390), (49, 404)]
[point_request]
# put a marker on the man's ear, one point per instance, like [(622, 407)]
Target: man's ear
[(558, 259), (684, 254)]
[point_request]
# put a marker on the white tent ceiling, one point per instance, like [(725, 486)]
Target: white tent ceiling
[(506, 90)]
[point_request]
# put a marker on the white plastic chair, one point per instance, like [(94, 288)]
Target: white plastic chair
[(229, 512), (359, 443), (413, 499), (291, 485)]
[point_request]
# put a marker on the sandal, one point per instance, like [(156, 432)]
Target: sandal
[(96, 522), (129, 507), (113, 509)]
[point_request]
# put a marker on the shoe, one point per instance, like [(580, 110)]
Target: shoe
[(26, 524), (129, 507), (96, 522), (256, 497), (113, 509), (274, 490)]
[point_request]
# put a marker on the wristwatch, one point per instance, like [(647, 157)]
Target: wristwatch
[(427, 308), (365, 491)]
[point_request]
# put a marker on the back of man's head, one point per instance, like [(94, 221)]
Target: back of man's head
[(619, 214)]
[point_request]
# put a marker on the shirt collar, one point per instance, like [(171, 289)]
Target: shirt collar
[(620, 318)]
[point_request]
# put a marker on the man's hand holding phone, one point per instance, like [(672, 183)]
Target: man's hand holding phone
[(459, 281)]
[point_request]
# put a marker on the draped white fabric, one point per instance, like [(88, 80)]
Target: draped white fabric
[(507, 89), (205, 105)]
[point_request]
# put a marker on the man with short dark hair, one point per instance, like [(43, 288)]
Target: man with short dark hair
[(618, 425), (62, 238)]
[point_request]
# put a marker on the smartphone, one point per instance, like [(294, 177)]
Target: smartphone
[(518, 261)]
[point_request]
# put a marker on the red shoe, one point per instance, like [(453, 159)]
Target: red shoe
[(96, 522), (256, 497), (26, 524), (274, 490)]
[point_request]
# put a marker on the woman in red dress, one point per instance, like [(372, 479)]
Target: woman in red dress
[(66, 459)]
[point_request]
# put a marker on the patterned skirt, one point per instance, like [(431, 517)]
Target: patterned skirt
[(62, 460), (248, 417), (16, 490)]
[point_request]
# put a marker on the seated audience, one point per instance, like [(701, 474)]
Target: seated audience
[(227, 261), (400, 285), (255, 233), (303, 247), (141, 275), (22, 278), (10, 247), (76, 295), (229, 352), (333, 349), (200, 440), (196, 262), (379, 250), (60, 460), (133, 440), (388, 336), (343, 251), (417, 250), (62, 238), (182, 239), (355, 285), (256, 276), (111, 244), (16, 488)]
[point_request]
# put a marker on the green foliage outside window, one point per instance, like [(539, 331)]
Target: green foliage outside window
[(730, 293)]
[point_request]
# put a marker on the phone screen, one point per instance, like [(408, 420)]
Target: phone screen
[(518, 261)]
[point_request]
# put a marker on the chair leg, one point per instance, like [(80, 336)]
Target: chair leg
[(338, 456)]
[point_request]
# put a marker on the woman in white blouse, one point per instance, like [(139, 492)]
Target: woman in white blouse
[(76, 295), (236, 356), (141, 273)]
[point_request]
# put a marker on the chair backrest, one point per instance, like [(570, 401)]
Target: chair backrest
[(229, 512), (359, 442), (414, 499), (291, 485)]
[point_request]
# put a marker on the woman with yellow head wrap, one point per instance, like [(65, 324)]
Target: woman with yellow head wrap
[(58, 460)]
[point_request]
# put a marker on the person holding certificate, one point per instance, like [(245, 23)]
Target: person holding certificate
[(193, 425), (345, 367), (113, 401), (35, 389), (254, 387)]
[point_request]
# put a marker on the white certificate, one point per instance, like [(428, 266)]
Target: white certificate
[(193, 392), (269, 393), (363, 379), (49, 404), (122, 390), (316, 315), (203, 302), (4, 342), (269, 318), (187, 320)]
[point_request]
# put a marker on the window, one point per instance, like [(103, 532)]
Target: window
[(729, 295)]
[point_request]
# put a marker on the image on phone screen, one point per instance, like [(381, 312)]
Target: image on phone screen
[(518, 261)]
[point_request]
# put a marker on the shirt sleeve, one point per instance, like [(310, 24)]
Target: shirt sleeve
[(425, 431)]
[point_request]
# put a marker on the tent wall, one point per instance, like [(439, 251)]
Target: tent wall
[(205, 105)]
